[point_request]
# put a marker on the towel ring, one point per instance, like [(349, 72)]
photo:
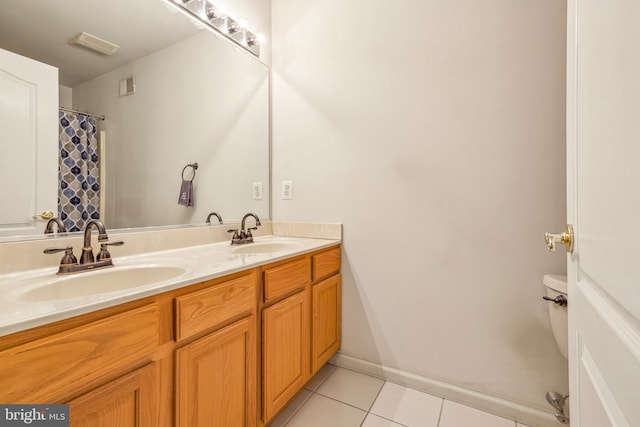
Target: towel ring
[(190, 165)]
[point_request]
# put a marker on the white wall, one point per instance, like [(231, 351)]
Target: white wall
[(434, 130), (65, 93), (196, 101)]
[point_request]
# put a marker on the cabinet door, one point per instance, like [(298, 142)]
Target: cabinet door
[(325, 329), (131, 400), (285, 346), (216, 378)]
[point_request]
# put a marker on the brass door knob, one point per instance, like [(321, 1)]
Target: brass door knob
[(566, 238), (46, 216)]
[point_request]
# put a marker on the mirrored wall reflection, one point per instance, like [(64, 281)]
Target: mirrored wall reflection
[(191, 99)]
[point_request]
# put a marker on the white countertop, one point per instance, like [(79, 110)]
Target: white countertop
[(200, 263)]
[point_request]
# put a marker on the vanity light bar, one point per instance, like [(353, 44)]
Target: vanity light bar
[(213, 17)]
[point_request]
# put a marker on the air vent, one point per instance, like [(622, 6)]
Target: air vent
[(127, 86)]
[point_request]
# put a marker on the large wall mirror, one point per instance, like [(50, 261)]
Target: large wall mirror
[(194, 98)]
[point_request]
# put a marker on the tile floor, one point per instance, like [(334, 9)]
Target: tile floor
[(338, 397)]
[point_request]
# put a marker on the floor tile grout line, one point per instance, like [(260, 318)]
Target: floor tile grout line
[(377, 395), (440, 413), (388, 419), (322, 382), (340, 401), (297, 409), (367, 412), (346, 403), (373, 403), (311, 393)]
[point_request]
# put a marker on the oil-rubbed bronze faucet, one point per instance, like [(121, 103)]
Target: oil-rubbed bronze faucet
[(242, 236), (48, 229), (216, 215), (87, 250), (69, 263)]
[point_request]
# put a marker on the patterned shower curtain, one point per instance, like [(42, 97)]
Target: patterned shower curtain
[(78, 171)]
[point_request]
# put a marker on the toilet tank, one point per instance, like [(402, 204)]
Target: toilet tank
[(556, 282), (557, 285)]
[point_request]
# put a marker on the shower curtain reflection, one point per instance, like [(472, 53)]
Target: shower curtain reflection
[(78, 170)]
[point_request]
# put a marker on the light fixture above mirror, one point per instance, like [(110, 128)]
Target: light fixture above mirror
[(215, 18)]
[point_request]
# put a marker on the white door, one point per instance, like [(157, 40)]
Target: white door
[(28, 143), (603, 162)]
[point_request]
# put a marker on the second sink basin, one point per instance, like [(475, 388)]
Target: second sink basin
[(96, 282)]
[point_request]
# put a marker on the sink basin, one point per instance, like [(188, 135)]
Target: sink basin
[(97, 282), (266, 247)]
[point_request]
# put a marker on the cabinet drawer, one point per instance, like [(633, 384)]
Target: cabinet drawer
[(281, 280), (48, 369), (202, 310), (326, 263)]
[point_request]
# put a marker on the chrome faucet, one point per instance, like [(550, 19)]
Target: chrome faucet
[(216, 215), (48, 229), (69, 263), (242, 236)]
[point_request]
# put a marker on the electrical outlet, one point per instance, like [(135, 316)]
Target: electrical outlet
[(287, 190), (257, 191)]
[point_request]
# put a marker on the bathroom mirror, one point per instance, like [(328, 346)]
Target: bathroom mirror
[(195, 99)]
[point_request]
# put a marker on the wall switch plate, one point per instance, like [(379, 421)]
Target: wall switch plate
[(257, 191), (287, 190)]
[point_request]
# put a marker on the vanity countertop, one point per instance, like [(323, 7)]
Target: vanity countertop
[(195, 264)]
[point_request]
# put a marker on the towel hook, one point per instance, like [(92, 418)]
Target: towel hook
[(190, 165)]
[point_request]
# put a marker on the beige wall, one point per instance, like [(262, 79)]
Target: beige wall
[(434, 130)]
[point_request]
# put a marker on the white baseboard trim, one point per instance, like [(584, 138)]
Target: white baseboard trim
[(523, 414)]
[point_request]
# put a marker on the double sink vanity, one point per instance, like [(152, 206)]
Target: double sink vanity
[(201, 335)]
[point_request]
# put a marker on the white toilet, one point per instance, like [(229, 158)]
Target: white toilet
[(557, 300)]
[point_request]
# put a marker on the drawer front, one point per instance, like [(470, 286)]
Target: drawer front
[(326, 263), (48, 369), (205, 309), (281, 280)]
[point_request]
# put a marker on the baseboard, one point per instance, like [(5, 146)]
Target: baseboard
[(523, 414)]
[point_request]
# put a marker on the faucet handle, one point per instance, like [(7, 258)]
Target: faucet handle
[(104, 253), (67, 259), (236, 238), (248, 236)]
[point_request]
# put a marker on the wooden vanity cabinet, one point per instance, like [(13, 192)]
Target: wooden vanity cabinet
[(326, 307), (300, 324), (325, 324), (285, 333), (231, 351), (216, 374), (102, 368)]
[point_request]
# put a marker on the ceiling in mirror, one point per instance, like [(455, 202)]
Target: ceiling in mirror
[(41, 29), (197, 99)]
